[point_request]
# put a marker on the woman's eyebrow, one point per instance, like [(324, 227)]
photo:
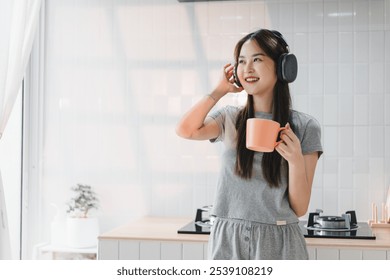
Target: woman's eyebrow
[(256, 54)]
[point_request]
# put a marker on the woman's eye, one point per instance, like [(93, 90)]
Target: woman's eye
[(257, 59), (240, 61)]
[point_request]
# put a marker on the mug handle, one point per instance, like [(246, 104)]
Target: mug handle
[(278, 142)]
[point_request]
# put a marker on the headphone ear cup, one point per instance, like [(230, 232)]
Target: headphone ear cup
[(287, 70), (236, 80)]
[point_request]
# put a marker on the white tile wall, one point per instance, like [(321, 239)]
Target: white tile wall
[(119, 75)]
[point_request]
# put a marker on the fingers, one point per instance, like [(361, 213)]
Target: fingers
[(228, 73), (281, 149), (228, 68), (290, 147), (288, 133), (287, 136)]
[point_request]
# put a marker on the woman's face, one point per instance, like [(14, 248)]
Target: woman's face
[(256, 70)]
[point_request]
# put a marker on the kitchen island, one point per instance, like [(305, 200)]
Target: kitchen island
[(157, 238)]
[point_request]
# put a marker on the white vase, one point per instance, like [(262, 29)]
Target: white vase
[(82, 232)]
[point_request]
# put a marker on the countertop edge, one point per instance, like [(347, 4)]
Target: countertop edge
[(151, 228)]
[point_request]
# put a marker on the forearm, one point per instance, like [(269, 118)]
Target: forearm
[(194, 119), (299, 190), (301, 170)]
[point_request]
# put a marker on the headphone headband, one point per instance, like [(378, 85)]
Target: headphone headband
[(281, 39)]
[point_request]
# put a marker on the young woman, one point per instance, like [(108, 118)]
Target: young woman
[(260, 195)]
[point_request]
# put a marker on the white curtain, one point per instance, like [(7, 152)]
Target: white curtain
[(18, 23)]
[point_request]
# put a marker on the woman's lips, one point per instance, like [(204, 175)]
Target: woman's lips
[(251, 79)]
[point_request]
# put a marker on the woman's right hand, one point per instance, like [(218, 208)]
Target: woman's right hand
[(226, 83)]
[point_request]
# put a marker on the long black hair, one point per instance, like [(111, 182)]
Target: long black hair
[(281, 111)]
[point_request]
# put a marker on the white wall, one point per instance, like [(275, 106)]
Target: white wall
[(119, 74)]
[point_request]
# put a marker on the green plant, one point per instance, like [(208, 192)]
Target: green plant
[(84, 200)]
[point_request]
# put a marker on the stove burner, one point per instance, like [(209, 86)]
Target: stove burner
[(206, 223), (344, 226), (346, 222)]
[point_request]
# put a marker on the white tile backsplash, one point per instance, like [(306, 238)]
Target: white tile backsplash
[(316, 17), (361, 47), (346, 140), (361, 141), (387, 140), (330, 165), (387, 45), (387, 81), (360, 197), (360, 165), (361, 81), (316, 108), (331, 50), (316, 47), (316, 78), (387, 13), (346, 71), (376, 105), (330, 16), (127, 71), (345, 110), (301, 20), (345, 15), (387, 112), (377, 78), (301, 48), (346, 173), (377, 137), (346, 47), (361, 9), (286, 17), (346, 200), (361, 109), (331, 107), (377, 15), (377, 46), (331, 76), (331, 201), (330, 143)]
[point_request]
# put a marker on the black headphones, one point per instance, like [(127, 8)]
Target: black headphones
[(287, 67)]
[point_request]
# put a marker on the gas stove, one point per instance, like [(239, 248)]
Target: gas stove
[(202, 223), (345, 226)]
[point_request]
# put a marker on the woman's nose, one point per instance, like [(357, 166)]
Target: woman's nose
[(248, 67)]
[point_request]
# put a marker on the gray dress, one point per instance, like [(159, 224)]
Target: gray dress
[(255, 221)]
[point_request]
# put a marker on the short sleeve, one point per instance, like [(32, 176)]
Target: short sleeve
[(219, 117), (311, 141)]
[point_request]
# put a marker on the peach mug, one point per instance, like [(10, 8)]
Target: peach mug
[(261, 134)]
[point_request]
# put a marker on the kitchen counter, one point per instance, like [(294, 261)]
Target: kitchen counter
[(162, 228), (155, 228), (158, 237)]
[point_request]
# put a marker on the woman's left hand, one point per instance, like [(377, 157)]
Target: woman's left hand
[(290, 147)]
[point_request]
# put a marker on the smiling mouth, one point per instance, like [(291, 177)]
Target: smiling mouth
[(251, 79)]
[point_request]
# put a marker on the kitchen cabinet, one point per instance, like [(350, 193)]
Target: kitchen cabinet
[(351, 249), (151, 250), (152, 238), (155, 238), (348, 254)]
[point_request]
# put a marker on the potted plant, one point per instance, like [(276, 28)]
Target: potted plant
[(82, 230)]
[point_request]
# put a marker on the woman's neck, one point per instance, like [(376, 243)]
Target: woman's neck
[(262, 103)]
